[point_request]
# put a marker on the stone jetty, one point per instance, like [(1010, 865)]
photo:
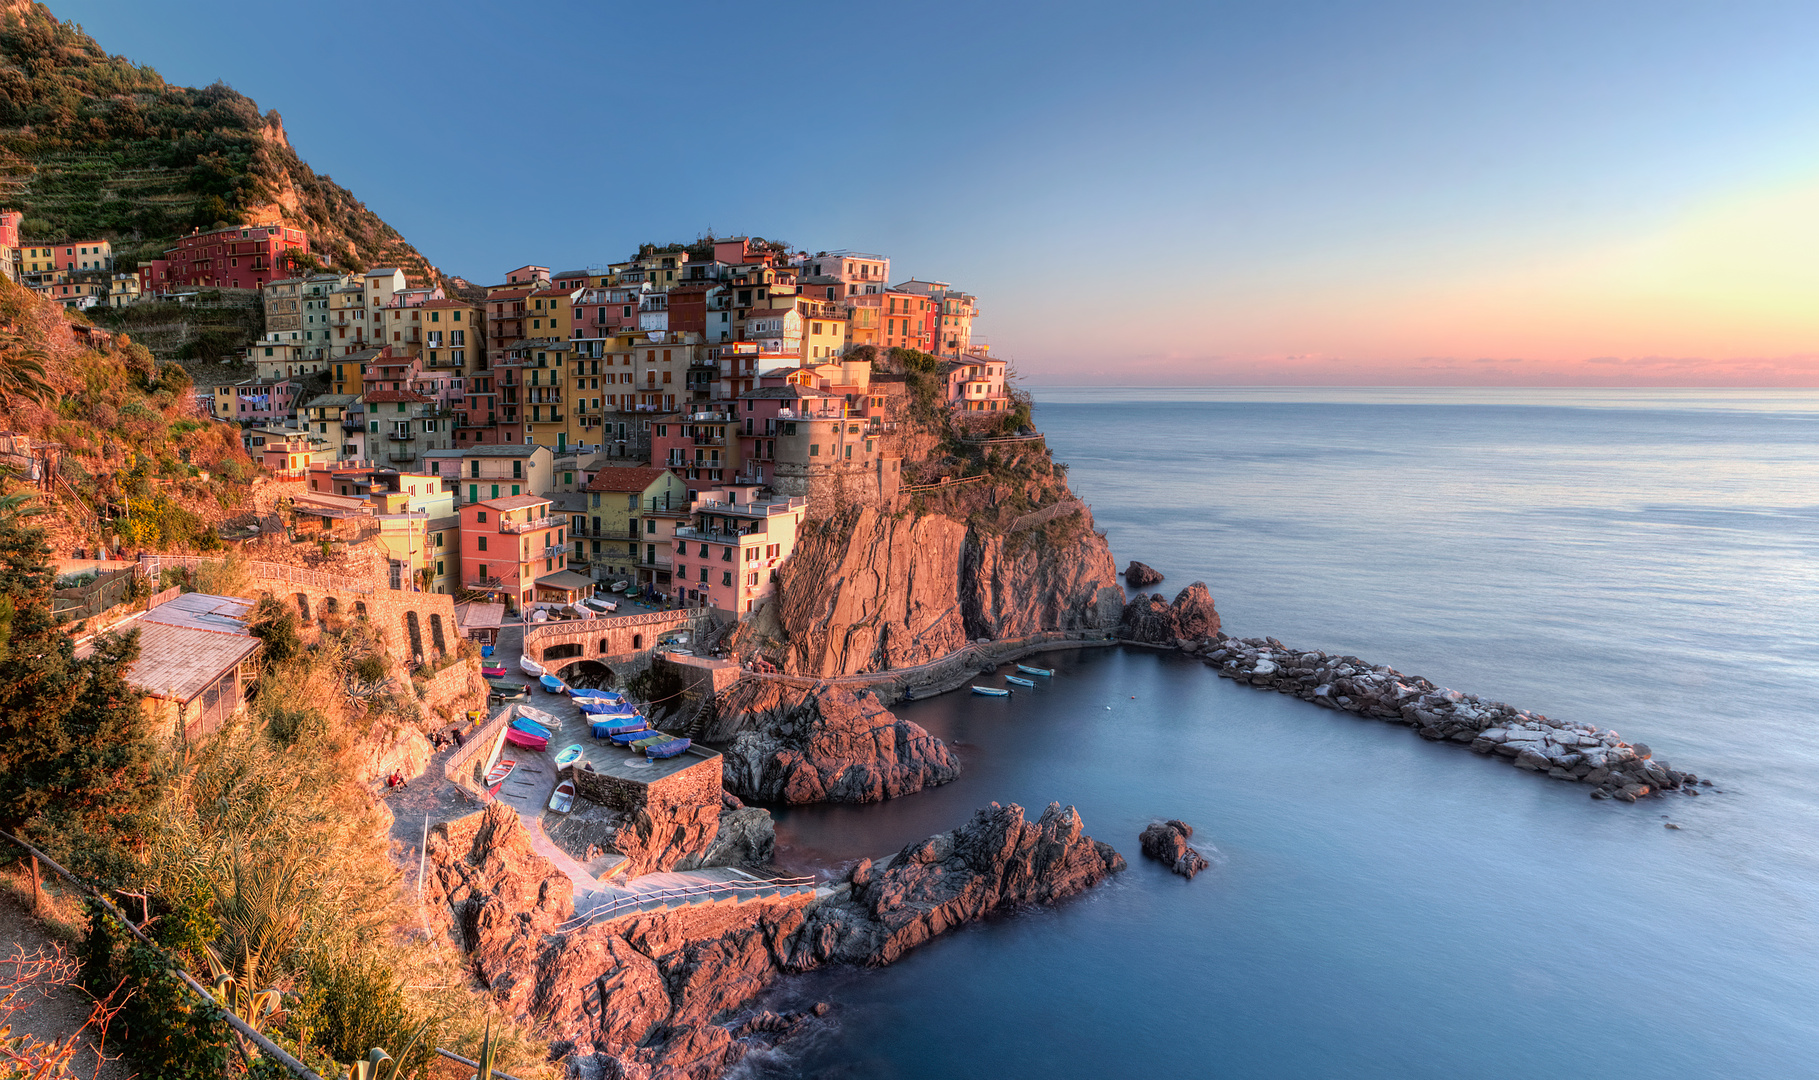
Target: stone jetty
[(1560, 749)]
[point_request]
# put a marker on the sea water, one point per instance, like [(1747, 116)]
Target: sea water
[(1380, 906)]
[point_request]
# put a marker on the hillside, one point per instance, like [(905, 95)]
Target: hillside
[(96, 146)]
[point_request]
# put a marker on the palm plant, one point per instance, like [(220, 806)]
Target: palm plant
[(22, 374)]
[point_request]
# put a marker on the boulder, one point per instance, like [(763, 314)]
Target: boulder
[(1166, 841), (1139, 576), (836, 745), (1147, 619)]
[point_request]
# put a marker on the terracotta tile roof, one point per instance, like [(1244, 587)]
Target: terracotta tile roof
[(625, 479), (388, 396)]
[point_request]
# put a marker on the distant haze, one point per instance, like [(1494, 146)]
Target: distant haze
[(1254, 193)]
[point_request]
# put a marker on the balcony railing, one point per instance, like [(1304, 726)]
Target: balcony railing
[(654, 564), (403, 455), (715, 535), (402, 436), (553, 550), (530, 526), (484, 584)]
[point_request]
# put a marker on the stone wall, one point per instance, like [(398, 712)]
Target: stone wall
[(828, 487), (699, 784), (454, 691)]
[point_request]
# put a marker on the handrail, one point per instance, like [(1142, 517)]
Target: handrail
[(681, 892)]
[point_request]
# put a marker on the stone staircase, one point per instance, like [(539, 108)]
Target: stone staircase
[(699, 891)]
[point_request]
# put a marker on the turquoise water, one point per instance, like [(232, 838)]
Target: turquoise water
[(1381, 906)]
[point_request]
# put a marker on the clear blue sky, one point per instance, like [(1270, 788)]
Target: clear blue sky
[(1264, 192)]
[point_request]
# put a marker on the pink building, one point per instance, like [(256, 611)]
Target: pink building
[(727, 556)]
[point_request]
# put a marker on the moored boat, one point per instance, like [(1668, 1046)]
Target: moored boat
[(1019, 681), (568, 756), (991, 691), (530, 667), (531, 727), (500, 770), (551, 684), (606, 729), (667, 749), (492, 671), (540, 718), (525, 739), (1027, 670), (564, 798), (508, 691), (605, 708)]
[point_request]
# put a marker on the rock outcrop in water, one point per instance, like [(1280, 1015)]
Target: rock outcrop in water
[(1190, 618), (1166, 841), (835, 745), (872, 591), (660, 994), (1555, 748), (1141, 576), (994, 862)]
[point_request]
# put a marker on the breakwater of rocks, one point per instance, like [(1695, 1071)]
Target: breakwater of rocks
[(1560, 749)]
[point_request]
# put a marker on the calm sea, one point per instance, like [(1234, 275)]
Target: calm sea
[(1381, 906)]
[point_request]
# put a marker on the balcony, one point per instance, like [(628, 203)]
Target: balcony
[(551, 522), (553, 551), (709, 440), (752, 509), (402, 455), (402, 436), (658, 563), (353, 425), (490, 584), (718, 536)]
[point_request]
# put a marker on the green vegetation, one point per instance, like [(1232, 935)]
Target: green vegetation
[(104, 148)]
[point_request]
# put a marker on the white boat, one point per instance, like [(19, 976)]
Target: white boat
[(538, 716), (1019, 681), (531, 667), (563, 800), (618, 586), (1027, 670), (991, 691)]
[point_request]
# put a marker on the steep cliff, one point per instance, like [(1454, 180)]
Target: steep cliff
[(868, 590)]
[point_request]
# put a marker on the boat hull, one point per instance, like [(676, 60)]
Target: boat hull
[(525, 740), (1019, 682), (568, 756), (530, 667), (1027, 670), (500, 770), (991, 691), (564, 798)]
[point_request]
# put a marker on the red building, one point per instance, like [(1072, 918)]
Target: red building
[(242, 257)]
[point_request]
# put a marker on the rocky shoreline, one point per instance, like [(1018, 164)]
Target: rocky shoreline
[(1562, 750), (669, 994)]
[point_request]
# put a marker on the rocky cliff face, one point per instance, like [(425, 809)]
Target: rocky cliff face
[(658, 995), (835, 746), (871, 591)]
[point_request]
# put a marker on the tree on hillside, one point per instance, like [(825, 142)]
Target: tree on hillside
[(75, 751)]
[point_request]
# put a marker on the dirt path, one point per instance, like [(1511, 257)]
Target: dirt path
[(63, 1011)]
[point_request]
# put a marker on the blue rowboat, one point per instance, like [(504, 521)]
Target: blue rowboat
[(1027, 670), (991, 691), (633, 735), (582, 693), (595, 705), (606, 729), (666, 749), (1019, 681), (530, 727), (551, 684), (568, 756)]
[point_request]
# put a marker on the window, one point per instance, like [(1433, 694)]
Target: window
[(814, 449), (704, 575), (473, 493), (482, 544), (726, 577), (752, 578), (650, 525)]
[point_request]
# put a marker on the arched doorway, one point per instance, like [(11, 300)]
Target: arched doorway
[(589, 675)]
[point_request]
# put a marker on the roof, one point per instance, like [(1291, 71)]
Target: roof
[(474, 616), (394, 395), (569, 502), (621, 478), (446, 303), (792, 391), (759, 313), (509, 294), (570, 273), (324, 401), (513, 502), (188, 643), (566, 579)]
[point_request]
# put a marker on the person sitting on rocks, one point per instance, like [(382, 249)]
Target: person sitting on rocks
[(396, 780)]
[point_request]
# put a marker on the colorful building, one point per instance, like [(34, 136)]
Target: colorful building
[(507, 544), (240, 257), (727, 555), (629, 522)]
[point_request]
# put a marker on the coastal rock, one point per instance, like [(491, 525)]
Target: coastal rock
[(836, 746), (658, 994), (993, 862), (746, 837), (1139, 576), (872, 591), (663, 834), (1192, 616), (1166, 841), (1561, 750)]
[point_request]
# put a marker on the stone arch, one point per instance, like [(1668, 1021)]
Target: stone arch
[(589, 675), (435, 632), (360, 609), (331, 605), (303, 606), (637, 642), (414, 627), (568, 650)]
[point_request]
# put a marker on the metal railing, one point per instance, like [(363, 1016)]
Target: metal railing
[(706, 890), (529, 526)]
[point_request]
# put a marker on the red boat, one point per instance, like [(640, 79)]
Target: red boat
[(525, 739)]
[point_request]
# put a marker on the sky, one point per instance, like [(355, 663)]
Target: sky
[(1271, 193)]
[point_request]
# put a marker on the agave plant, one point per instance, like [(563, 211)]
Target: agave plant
[(22, 373)]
